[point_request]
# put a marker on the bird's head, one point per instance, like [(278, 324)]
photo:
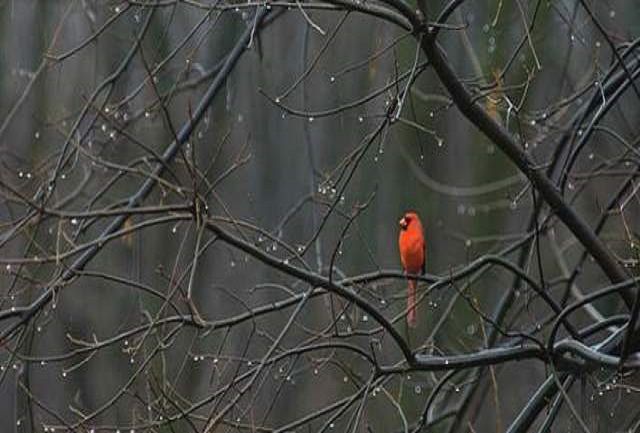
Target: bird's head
[(407, 219)]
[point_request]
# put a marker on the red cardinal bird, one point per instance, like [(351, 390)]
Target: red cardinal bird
[(412, 255)]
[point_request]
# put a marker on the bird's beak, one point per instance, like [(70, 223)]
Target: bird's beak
[(403, 223)]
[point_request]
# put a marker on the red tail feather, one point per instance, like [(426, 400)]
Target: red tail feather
[(412, 318)]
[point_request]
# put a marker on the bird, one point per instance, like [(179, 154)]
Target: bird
[(412, 255)]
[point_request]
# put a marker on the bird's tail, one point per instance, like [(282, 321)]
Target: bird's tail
[(412, 318)]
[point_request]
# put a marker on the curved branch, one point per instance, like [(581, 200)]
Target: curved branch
[(314, 280)]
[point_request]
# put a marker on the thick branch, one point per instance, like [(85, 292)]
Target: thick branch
[(501, 137)]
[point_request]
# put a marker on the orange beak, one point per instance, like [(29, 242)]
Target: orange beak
[(403, 223)]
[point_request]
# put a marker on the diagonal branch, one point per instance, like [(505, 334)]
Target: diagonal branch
[(501, 137), (139, 196)]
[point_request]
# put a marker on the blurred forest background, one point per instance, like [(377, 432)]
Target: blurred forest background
[(200, 204)]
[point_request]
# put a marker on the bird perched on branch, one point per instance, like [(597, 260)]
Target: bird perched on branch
[(412, 256)]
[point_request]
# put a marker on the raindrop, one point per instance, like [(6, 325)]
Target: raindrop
[(74, 221), (310, 119), (332, 79), (37, 135), (418, 389), (360, 119)]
